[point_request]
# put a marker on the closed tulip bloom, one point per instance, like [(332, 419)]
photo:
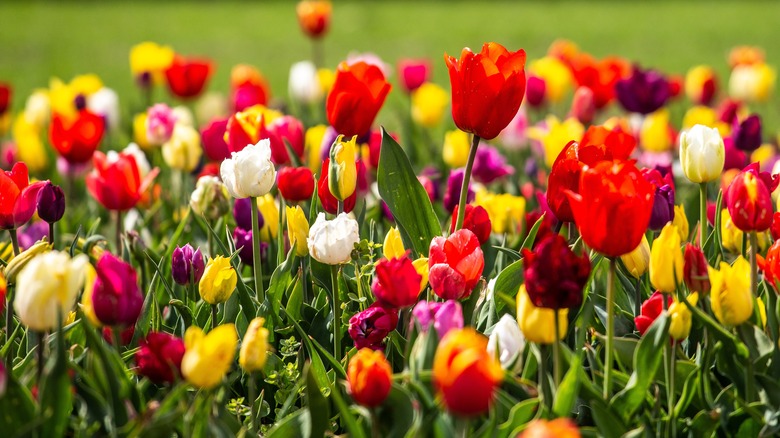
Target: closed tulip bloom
[(187, 77), (183, 151), (752, 83), (295, 183), (613, 207), (116, 297), (218, 281), (701, 84), (50, 202), (506, 343), (666, 261), (428, 104), (328, 201), (396, 282), (297, 230), (681, 222), (254, 346), (650, 310), (160, 122), (357, 95), (210, 198), (644, 92), (47, 288), (749, 199), (150, 60), (284, 131), (732, 299), (638, 260), (695, 270), (456, 148), (583, 106), (554, 274), (456, 264), (680, 317), (702, 154), (477, 220), (558, 428), (304, 84), (242, 240), (369, 376), (213, 139), (747, 133), (369, 328), (243, 128), (77, 138), (465, 374), (342, 171), (18, 198), (413, 73), (654, 135), (332, 241), (249, 172), (314, 17), (242, 213), (159, 357), (207, 357), (187, 265), (487, 88), (393, 247), (116, 181), (538, 323), (443, 317), (269, 209)]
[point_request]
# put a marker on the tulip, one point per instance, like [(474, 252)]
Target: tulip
[(444, 317), (610, 193), (701, 85), (314, 17), (218, 281), (148, 62), (369, 328), (369, 376), (159, 357), (477, 220), (50, 203), (249, 172), (752, 83), (774, 229), (583, 106), (456, 264), (357, 95), (295, 183), (558, 428), (638, 260), (644, 92), (770, 265), (116, 298), (210, 198), (304, 84), (116, 181), (487, 88), (396, 282), (747, 134), (270, 212), (680, 222), (242, 213), (139, 131), (160, 123), (456, 148), (248, 88), (76, 139), (535, 90), (47, 288), (506, 211), (207, 357), (187, 265), (554, 274), (331, 241), (297, 230), (654, 135), (666, 261), (413, 73), (556, 76), (328, 201), (213, 140), (556, 136), (187, 77), (283, 131), (650, 310), (695, 270), (428, 104), (465, 374), (506, 343), (732, 300), (254, 346), (749, 199), (680, 318), (18, 198), (454, 184), (393, 246), (242, 240), (182, 151), (600, 76), (663, 202), (489, 165), (342, 169)]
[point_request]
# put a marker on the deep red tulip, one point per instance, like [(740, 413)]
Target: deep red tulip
[(695, 270), (77, 139), (282, 131), (188, 76), (159, 357), (369, 328), (774, 229), (5, 97), (18, 198), (554, 274), (116, 181), (213, 140), (295, 183), (456, 264), (747, 134), (613, 207), (749, 198), (396, 282), (644, 91), (328, 201), (487, 88), (535, 91), (477, 220), (651, 309), (357, 95), (116, 297), (413, 73)]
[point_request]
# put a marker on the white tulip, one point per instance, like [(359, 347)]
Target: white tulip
[(210, 198), (37, 108), (304, 83), (183, 116), (507, 343), (105, 102), (249, 173), (331, 242), (182, 151), (47, 289), (702, 154)]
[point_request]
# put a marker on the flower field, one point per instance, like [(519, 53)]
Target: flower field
[(311, 236)]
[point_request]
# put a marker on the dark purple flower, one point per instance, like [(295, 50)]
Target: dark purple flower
[(31, 233), (116, 296), (444, 316), (51, 202), (663, 203), (644, 92), (242, 239), (554, 274), (535, 90), (187, 263), (735, 158), (746, 135), (452, 195), (370, 327), (242, 212), (490, 165)]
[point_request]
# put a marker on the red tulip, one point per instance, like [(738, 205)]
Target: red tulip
[(116, 182), (413, 73), (456, 264), (314, 17), (477, 220), (295, 183), (188, 76), (213, 140), (613, 207), (749, 199), (357, 95), (282, 131), (554, 274), (651, 309), (243, 129), (249, 87), (116, 297), (696, 270), (370, 377), (535, 91), (397, 283), (774, 229), (487, 88), (600, 76), (159, 357), (328, 201), (18, 198), (77, 139), (5, 97)]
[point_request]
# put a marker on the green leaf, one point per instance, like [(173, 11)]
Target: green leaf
[(56, 398), (17, 409), (509, 279), (317, 404), (406, 198), (607, 420), (396, 416), (566, 395), (531, 237), (347, 418), (294, 425), (295, 300), (521, 414)]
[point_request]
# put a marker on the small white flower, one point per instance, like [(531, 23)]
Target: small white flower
[(507, 343), (105, 102), (304, 83), (702, 154), (182, 151), (249, 173), (331, 242)]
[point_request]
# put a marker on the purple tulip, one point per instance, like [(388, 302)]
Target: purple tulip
[(452, 195), (444, 316), (370, 327), (663, 207), (644, 92), (51, 203), (116, 296), (242, 212), (31, 233), (187, 263), (490, 165), (747, 134), (242, 239)]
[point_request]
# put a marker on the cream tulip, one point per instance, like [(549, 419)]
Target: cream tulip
[(249, 173), (331, 241)]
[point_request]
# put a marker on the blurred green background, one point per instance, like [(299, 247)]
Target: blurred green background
[(39, 40)]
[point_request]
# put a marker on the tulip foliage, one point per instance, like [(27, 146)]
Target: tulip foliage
[(558, 253)]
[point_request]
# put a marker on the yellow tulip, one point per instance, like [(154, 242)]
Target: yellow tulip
[(456, 148), (666, 260), (752, 83), (704, 115), (139, 132), (342, 173), (537, 323), (182, 151), (86, 84), (393, 247), (763, 154), (218, 281), (732, 299), (297, 230), (680, 317), (681, 222), (207, 357), (326, 78), (761, 311), (556, 136), (270, 212), (638, 260), (254, 347), (654, 135), (421, 266), (506, 211), (151, 58), (62, 99), (313, 141), (29, 145), (695, 79), (428, 104), (557, 77), (90, 276)]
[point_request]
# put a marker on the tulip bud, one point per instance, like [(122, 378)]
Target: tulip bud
[(747, 134), (213, 139), (342, 172), (51, 203), (314, 17), (182, 151), (369, 328), (254, 347), (249, 173), (159, 357), (207, 357), (583, 105), (297, 229), (702, 154), (332, 241), (295, 183), (210, 198), (749, 199), (242, 213), (393, 246), (680, 318), (413, 73), (455, 271), (187, 264), (117, 299), (444, 316), (538, 323), (506, 343), (369, 377), (638, 260), (477, 220), (732, 299), (328, 201), (554, 274), (535, 91), (666, 260), (650, 310), (270, 212), (396, 282), (680, 222), (696, 270), (218, 281), (242, 240)]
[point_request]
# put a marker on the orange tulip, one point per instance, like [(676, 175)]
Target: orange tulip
[(314, 17), (357, 95), (369, 377)]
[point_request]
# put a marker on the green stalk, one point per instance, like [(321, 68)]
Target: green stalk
[(257, 260), (610, 327), (464, 188), (557, 350), (702, 214), (334, 276)]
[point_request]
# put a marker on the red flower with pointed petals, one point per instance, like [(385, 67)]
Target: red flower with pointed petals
[(358, 93), (477, 220), (18, 198), (328, 201), (487, 88), (749, 199), (600, 76), (651, 309), (116, 181), (397, 283), (295, 183), (76, 140), (159, 357), (554, 274), (188, 76), (456, 264)]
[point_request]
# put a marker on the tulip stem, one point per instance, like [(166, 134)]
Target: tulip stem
[(754, 264), (340, 207), (334, 276), (51, 233), (670, 391), (257, 255), (213, 316), (610, 327), (557, 350), (464, 188), (702, 214), (14, 241), (41, 343), (119, 246), (251, 402)]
